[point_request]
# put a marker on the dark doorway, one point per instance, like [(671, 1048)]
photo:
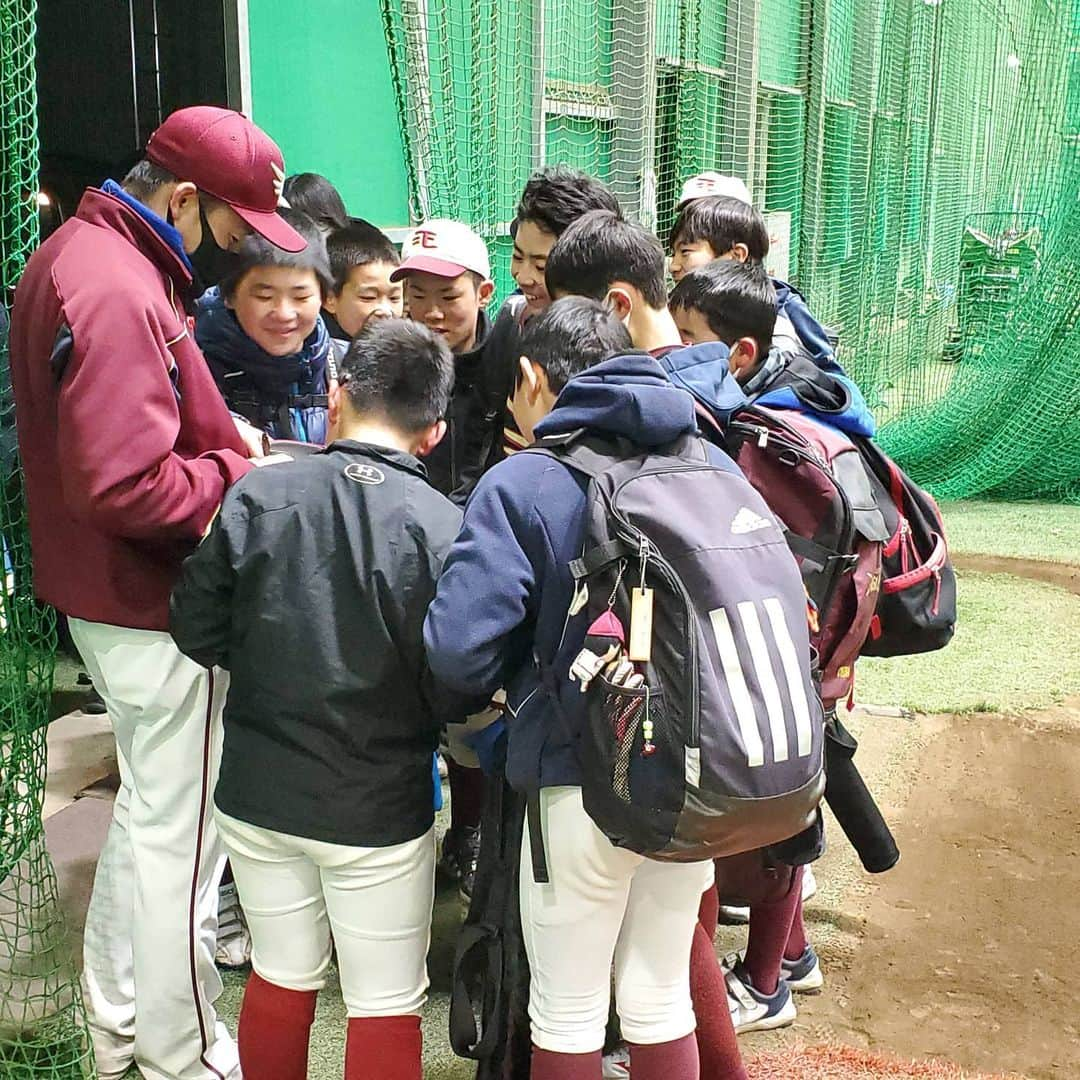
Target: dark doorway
[(109, 72)]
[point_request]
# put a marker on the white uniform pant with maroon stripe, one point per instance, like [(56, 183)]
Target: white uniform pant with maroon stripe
[(149, 972)]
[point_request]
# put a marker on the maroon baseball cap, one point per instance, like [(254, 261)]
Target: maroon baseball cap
[(224, 154)]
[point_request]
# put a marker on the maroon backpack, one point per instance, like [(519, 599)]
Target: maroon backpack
[(917, 609), (813, 478)]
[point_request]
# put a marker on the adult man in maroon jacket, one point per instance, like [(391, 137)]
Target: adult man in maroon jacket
[(128, 449)]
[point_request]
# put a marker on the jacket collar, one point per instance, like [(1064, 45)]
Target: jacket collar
[(169, 233), (110, 212), (464, 362), (397, 459)]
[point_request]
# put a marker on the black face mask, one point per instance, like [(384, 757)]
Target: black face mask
[(210, 262)]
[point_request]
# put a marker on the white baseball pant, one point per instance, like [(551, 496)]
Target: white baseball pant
[(302, 897), (604, 904), (148, 951)]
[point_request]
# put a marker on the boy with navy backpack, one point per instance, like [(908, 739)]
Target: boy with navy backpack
[(620, 262), (533, 599)]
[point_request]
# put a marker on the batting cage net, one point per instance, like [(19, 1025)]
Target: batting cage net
[(918, 162), (43, 1030)]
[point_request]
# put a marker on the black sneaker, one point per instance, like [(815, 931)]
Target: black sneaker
[(94, 706), (460, 850)]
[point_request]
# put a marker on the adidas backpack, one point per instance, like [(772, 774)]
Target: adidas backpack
[(720, 749)]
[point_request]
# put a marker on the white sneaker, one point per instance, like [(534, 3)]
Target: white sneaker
[(734, 915), (803, 975), (617, 1064), (752, 1010), (233, 939)]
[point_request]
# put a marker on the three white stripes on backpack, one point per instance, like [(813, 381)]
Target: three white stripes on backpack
[(765, 678)]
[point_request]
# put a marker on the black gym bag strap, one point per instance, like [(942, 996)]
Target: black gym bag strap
[(536, 840), (817, 555)]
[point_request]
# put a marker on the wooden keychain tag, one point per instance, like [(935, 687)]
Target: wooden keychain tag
[(641, 608)]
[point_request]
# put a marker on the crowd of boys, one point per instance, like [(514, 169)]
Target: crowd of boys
[(401, 571)]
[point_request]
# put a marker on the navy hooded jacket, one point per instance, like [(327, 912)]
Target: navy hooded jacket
[(285, 396), (800, 385), (791, 305), (501, 611)]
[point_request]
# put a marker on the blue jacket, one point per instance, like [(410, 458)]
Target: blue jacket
[(264, 388), (800, 385), (504, 594), (791, 305)]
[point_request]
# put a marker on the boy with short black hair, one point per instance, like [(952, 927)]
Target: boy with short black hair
[(721, 227), (553, 199), (362, 259), (608, 258), (265, 343), (325, 798), (730, 302), (446, 274), (716, 227), (501, 617), (735, 303)]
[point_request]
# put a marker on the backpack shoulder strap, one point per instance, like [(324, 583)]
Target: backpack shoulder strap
[(572, 449)]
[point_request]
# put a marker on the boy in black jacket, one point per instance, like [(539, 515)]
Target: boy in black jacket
[(311, 589)]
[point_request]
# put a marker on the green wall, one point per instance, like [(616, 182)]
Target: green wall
[(322, 88)]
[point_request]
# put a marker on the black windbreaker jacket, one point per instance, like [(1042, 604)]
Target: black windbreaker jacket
[(311, 589)]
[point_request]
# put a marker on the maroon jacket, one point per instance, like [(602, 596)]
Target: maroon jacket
[(126, 444)]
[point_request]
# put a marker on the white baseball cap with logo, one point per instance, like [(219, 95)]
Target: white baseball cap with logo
[(446, 248), (712, 183)]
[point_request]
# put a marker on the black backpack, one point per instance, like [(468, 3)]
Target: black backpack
[(720, 751), (916, 609)]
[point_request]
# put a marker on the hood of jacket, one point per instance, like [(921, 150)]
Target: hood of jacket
[(629, 396)]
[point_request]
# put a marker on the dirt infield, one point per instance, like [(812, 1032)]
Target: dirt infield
[(965, 950), (1064, 575)]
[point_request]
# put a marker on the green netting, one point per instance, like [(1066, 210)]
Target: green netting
[(918, 162), (43, 1031)]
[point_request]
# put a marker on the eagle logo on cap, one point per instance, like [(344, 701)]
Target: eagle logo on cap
[(279, 184)]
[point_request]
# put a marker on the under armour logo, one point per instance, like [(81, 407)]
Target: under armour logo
[(364, 474), (746, 521)]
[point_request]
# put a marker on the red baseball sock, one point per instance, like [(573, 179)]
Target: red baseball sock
[(677, 1060), (716, 1044), (383, 1048), (709, 911), (796, 942), (770, 928), (466, 795), (275, 1024), (548, 1065)]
